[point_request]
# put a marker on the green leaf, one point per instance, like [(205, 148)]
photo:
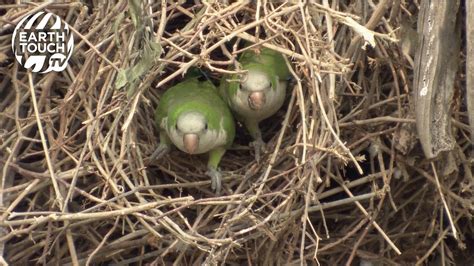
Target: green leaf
[(135, 12), (146, 50), (118, 21), (121, 79)]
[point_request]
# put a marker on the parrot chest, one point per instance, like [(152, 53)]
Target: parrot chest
[(274, 101)]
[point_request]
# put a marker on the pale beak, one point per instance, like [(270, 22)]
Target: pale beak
[(190, 142), (256, 100)]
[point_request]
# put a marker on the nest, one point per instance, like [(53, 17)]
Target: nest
[(343, 179)]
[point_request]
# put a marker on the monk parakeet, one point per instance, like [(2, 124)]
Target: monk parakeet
[(259, 92), (193, 117)]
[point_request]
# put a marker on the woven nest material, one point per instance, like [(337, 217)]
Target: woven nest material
[(343, 179)]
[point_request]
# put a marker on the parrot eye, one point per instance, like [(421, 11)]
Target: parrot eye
[(205, 127)]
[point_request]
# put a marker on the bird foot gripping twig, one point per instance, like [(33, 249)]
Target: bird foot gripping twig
[(216, 179), (159, 152), (259, 147)]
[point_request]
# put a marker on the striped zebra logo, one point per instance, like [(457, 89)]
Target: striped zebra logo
[(42, 42)]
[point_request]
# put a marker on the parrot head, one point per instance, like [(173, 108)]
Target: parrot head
[(254, 87), (189, 128)]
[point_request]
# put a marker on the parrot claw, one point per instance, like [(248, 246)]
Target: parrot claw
[(259, 147), (216, 180), (159, 152)]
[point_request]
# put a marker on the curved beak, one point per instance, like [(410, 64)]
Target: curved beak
[(190, 142), (256, 100)]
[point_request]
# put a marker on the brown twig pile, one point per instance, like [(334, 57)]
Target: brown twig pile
[(343, 180)]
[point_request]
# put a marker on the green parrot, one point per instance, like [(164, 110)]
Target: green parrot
[(193, 117), (259, 92)]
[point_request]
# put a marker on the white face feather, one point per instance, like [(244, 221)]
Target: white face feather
[(192, 122), (253, 81), (195, 122)]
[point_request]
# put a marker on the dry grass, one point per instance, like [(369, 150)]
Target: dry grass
[(343, 181)]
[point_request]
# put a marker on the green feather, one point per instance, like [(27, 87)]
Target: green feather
[(195, 95), (268, 61)]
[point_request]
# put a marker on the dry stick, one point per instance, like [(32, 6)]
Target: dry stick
[(161, 27), (182, 69), (357, 182), (267, 173), (59, 197), (175, 46), (7, 175), (362, 236), (169, 224), (376, 225), (132, 111), (259, 225), (216, 45), (166, 221), (324, 206), (301, 104), (393, 10), (93, 48), (19, 199), (346, 235), (284, 51), (245, 28), (356, 112), (15, 188), (302, 108), (180, 9), (101, 252), (328, 123), (32, 11), (34, 175), (435, 244), (95, 215), (461, 200), (99, 26), (69, 237), (323, 111), (448, 212), (26, 250), (379, 119), (147, 227), (334, 13), (318, 239), (304, 218), (257, 17), (441, 226), (117, 191), (277, 148), (72, 248), (76, 169), (329, 26), (378, 13), (102, 243)]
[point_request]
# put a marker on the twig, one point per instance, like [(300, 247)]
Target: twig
[(448, 212), (92, 216), (59, 197)]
